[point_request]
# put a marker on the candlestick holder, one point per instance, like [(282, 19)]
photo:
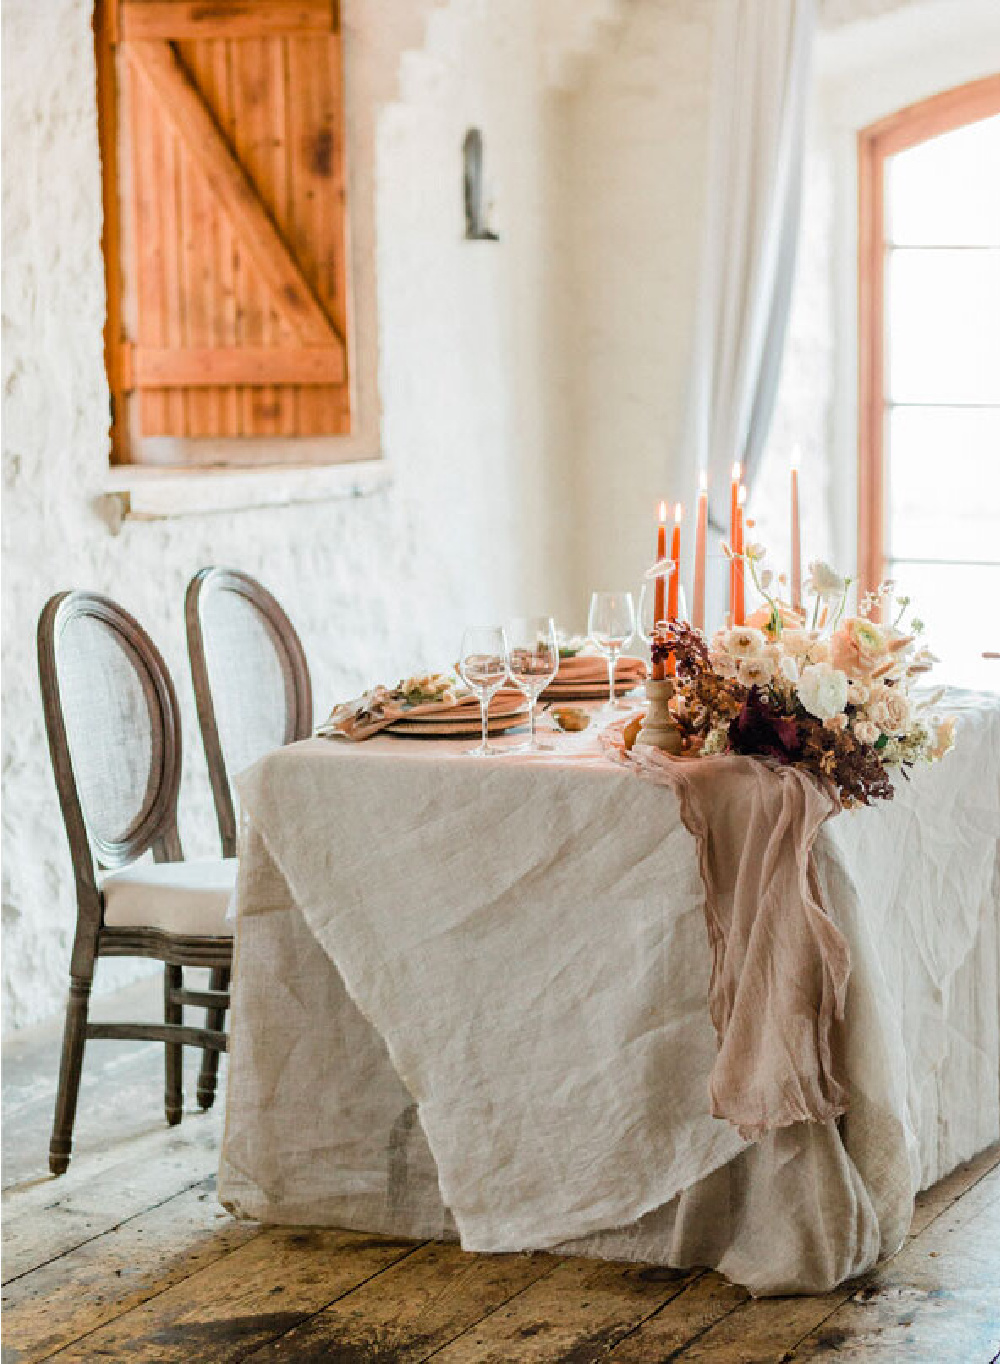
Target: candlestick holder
[(659, 728)]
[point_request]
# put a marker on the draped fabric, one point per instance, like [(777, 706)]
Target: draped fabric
[(760, 92)]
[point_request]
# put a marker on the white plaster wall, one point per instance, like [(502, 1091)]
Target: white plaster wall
[(630, 218), (375, 585)]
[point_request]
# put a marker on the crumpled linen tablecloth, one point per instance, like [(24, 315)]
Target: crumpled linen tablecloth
[(471, 998)]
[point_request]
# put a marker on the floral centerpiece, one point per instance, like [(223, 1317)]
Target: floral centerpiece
[(829, 692)]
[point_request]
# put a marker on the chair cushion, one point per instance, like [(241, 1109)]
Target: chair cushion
[(186, 898)]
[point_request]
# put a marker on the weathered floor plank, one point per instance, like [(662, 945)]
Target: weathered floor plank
[(577, 1312), (248, 1298), (54, 1216), (100, 1280), (413, 1309)]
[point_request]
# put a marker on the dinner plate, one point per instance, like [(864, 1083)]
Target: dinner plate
[(466, 712)]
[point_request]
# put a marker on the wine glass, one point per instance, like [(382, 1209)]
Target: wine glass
[(482, 666), (647, 598), (534, 661), (611, 624)]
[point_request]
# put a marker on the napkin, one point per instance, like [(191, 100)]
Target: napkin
[(380, 707)]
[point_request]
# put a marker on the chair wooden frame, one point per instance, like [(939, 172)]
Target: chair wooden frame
[(298, 697), (155, 829)]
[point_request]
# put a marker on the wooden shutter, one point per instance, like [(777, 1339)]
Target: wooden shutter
[(222, 137)]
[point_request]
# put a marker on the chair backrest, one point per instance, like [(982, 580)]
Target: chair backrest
[(251, 680), (114, 734)]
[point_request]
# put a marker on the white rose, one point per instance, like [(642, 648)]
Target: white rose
[(823, 581), (823, 690), (891, 710), (757, 672), (865, 732), (743, 641)]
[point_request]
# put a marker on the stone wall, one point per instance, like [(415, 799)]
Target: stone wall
[(375, 584)]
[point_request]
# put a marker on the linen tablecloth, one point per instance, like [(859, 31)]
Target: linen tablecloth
[(471, 999)]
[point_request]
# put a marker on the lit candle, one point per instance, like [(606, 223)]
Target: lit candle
[(733, 507), (701, 531), (739, 603), (673, 600), (675, 555), (660, 585), (796, 534)]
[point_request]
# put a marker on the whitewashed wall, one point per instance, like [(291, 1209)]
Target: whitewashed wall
[(376, 584)]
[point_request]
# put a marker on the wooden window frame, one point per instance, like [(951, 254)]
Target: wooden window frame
[(906, 128), (322, 352)]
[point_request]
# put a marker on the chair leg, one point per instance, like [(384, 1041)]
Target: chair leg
[(215, 1020), (173, 979), (70, 1067)]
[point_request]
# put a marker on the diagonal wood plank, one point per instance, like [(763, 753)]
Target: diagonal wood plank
[(413, 1309), (117, 1271), (251, 1296), (181, 105)]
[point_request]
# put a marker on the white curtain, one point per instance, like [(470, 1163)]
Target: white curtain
[(760, 91)]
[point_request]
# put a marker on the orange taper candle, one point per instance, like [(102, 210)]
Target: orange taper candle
[(733, 508), (701, 532), (660, 585), (673, 597), (796, 535), (740, 606)]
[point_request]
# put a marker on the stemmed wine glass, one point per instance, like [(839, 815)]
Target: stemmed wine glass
[(534, 661), (483, 668), (647, 598), (611, 624)]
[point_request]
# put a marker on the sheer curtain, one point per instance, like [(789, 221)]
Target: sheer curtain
[(760, 90)]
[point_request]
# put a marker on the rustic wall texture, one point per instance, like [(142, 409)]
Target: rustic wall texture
[(375, 584), (527, 395)]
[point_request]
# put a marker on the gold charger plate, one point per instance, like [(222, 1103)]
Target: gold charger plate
[(434, 726)]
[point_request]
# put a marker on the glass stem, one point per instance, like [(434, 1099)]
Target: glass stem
[(611, 678), (532, 741), (484, 709)]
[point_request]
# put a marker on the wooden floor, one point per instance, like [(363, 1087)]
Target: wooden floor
[(130, 1257)]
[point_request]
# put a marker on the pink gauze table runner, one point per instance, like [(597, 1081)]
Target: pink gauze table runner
[(780, 965)]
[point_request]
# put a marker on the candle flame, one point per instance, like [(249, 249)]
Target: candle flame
[(663, 512), (703, 481), (741, 496), (678, 512), (796, 456), (737, 472)]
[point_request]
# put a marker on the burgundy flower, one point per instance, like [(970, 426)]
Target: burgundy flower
[(762, 730)]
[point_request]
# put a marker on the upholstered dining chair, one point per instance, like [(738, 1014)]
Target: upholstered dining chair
[(250, 676), (114, 737)]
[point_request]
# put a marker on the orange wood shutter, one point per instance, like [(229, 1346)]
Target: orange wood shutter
[(224, 166)]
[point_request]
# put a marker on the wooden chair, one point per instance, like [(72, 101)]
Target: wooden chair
[(114, 738), (251, 680)]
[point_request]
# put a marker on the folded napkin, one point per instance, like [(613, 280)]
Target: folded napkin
[(779, 964), (583, 669), (381, 706)]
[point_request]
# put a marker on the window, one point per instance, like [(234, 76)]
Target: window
[(221, 131), (929, 313)]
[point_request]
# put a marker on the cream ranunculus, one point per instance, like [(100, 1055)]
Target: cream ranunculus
[(796, 642), (865, 732), (891, 709), (858, 647), (743, 641), (823, 690), (823, 581), (757, 672), (723, 663)]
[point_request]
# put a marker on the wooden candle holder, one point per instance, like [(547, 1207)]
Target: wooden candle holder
[(659, 729)]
